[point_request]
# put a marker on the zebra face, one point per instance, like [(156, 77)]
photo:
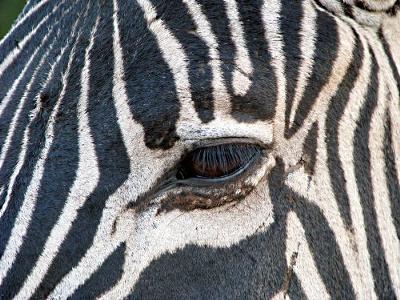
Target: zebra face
[(222, 149)]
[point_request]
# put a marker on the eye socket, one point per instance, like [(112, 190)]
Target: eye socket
[(218, 161)]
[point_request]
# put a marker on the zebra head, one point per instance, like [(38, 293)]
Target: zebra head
[(200, 149)]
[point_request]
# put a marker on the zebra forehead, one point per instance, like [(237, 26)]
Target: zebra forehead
[(185, 61)]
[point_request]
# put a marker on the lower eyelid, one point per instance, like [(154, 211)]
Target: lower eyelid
[(190, 200)]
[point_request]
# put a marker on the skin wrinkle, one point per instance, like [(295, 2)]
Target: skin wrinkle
[(90, 202)]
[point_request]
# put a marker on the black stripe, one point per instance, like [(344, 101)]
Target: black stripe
[(58, 176), (295, 290), (394, 9), (325, 249), (362, 164), (10, 74), (150, 85), (326, 51), (3, 189), (111, 153), (291, 20), (177, 18), (335, 112), (389, 54), (252, 269), (393, 182), (104, 278), (260, 101), (362, 5), (348, 10), (310, 147), (216, 15), (35, 145)]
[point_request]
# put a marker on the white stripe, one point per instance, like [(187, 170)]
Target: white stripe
[(281, 296), (176, 59), (88, 265), (241, 81), (395, 118), (85, 182), (384, 214), (307, 45), (26, 210), (17, 169), (271, 14), (346, 134), (11, 55), (223, 125), (304, 266)]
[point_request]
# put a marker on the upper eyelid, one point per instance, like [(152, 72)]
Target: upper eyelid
[(260, 131), (197, 144)]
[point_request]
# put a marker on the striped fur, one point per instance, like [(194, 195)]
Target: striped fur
[(99, 100)]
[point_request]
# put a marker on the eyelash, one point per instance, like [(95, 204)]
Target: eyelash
[(220, 161)]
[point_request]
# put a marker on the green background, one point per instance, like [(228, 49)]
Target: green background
[(9, 10)]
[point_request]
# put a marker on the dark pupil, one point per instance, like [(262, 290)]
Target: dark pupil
[(217, 161)]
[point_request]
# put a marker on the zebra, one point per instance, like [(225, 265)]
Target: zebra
[(201, 149)]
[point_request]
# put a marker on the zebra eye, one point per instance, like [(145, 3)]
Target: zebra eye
[(211, 176), (218, 162)]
